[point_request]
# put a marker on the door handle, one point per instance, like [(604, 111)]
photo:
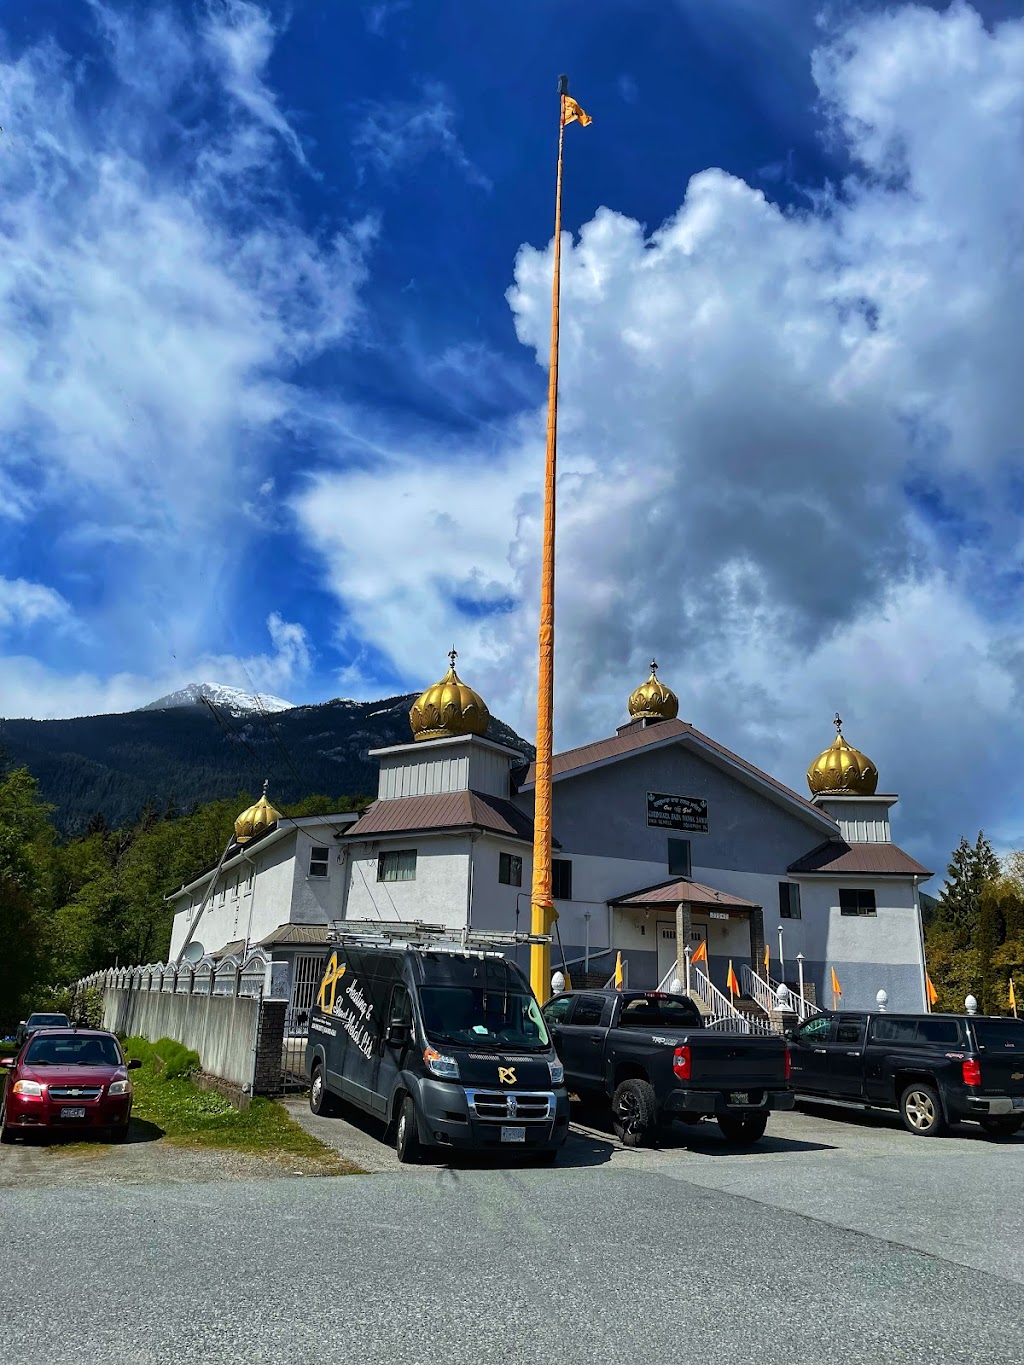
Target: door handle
[(853, 1054), (597, 1041), (820, 1052)]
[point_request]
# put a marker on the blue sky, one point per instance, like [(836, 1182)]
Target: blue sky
[(275, 290)]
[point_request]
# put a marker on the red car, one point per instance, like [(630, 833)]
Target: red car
[(65, 1079)]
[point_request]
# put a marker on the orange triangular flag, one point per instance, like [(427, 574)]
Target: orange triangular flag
[(731, 982), (701, 955), (933, 994)]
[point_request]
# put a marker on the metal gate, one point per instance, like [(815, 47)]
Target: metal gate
[(309, 970)]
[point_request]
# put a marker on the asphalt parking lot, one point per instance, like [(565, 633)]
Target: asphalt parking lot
[(841, 1240)]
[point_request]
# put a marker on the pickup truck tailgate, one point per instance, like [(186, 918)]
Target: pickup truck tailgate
[(736, 1060), (1001, 1053)]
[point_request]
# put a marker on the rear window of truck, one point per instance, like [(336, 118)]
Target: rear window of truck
[(997, 1035), (652, 1012)]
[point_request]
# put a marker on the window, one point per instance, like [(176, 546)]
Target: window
[(945, 1031), (561, 879), (589, 1010), (250, 878), (679, 862), (659, 1012), (857, 902), (400, 1011), (1002, 1035), (510, 869), (789, 900), (850, 1030), (397, 866), (556, 1010), (319, 861), (894, 1030), (816, 1031)]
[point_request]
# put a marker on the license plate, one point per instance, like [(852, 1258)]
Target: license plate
[(74, 1112), (739, 1097), (513, 1134), (1018, 1102)]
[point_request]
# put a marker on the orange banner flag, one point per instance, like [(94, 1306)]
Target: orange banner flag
[(837, 990), (731, 982), (572, 113), (767, 958), (701, 955), (933, 994)]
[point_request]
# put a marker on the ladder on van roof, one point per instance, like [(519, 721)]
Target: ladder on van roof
[(417, 934)]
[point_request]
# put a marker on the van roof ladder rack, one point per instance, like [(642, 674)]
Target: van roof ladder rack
[(416, 933)]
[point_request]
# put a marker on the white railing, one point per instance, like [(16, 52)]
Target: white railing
[(765, 990), (739, 1023)]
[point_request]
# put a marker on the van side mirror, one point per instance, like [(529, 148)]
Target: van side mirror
[(396, 1034), (133, 1064)]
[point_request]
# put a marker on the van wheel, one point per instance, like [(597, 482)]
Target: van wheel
[(321, 1101), (635, 1113), (742, 1129), (407, 1134), (1000, 1127), (921, 1110)]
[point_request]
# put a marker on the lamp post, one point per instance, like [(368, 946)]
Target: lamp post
[(800, 975), (586, 943), (686, 953), (782, 960)]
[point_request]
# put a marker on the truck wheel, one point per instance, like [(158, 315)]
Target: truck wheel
[(407, 1134), (6, 1131), (634, 1113), (921, 1110), (1000, 1127), (744, 1129), (321, 1101)]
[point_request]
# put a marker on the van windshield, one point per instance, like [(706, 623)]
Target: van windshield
[(483, 1018)]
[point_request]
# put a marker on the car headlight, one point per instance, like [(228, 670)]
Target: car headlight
[(557, 1071), (119, 1088), (439, 1065), (27, 1088)]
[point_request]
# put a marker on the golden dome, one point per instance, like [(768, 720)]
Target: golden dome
[(256, 819), (652, 700), (841, 769), (449, 708)]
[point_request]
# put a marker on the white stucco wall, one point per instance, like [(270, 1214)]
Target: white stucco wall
[(439, 894)]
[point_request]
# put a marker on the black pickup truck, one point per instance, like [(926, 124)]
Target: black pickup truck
[(934, 1068), (649, 1055)]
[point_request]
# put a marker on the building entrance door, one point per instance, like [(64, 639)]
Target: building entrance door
[(666, 948)]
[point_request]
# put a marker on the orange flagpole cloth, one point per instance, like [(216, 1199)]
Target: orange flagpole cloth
[(701, 955), (731, 982), (837, 990), (543, 911)]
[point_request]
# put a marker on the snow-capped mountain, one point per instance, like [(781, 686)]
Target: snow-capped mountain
[(230, 699)]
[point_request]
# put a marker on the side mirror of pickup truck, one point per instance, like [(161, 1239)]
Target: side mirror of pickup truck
[(789, 1034)]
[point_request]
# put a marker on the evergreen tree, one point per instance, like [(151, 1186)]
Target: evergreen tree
[(968, 871)]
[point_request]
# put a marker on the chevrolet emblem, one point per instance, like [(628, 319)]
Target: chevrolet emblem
[(1017, 1076), (507, 1075)]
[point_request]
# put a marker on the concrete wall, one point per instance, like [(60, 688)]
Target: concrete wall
[(314, 900), (494, 903), (446, 765), (222, 1029)]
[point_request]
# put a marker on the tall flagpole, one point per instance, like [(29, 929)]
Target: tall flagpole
[(543, 911)]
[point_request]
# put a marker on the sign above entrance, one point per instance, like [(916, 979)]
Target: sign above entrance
[(677, 812)]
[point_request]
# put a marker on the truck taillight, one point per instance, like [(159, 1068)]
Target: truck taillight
[(972, 1071), (789, 1064), (681, 1062)]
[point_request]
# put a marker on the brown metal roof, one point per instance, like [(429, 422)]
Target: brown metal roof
[(445, 810), (884, 860), (296, 935), (682, 889), (618, 746)]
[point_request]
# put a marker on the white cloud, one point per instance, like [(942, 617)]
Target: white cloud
[(395, 133), (29, 687), (26, 604), (155, 296), (748, 394)]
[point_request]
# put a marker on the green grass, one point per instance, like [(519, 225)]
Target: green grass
[(166, 1095)]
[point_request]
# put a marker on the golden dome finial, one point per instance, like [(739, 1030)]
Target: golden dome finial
[(842, 770), (449, 708), (652, 700), (256, 818)]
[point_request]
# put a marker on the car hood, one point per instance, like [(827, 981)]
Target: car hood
[(72, 1075)]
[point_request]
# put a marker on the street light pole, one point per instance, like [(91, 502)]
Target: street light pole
[(586, 944), (782, 960), (800, 974)]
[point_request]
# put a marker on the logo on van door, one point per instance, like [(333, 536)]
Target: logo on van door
[(507, 1075), (329, 985)]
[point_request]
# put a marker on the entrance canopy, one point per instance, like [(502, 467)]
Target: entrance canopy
[(680, 890)]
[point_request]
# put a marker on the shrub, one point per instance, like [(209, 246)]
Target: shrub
[(176, 1058)]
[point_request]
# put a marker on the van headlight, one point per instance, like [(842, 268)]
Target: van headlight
[(557, 1071), (119, 1088), (439, 1065)]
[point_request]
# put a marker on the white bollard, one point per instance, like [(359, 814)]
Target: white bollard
[(675, 986), (557, 984), (971, 1005), (881, 1000)]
